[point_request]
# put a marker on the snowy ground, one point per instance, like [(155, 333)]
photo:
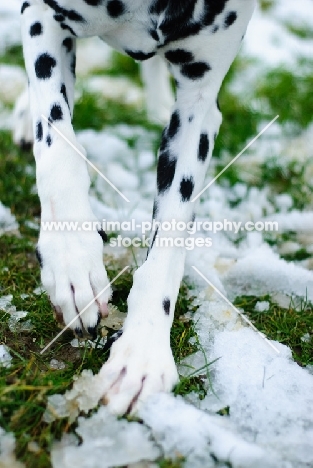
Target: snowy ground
[(269, 396)]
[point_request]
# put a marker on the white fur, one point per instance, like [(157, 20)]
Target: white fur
[(141, 361)]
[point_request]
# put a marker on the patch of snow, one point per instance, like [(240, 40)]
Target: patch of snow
[(12, 82), (79, 398), (78, 343), (39, 290), (7, 448), (262, 306), (179, 428), (106, 442), (92, 54), (117, 88), (6, 303), (32, 225), (56, 365), (14, 322), (5, 357), (306, 338), (278, 46), (295, 220), (262, 272), (10, 31), (270, 396), (7, 220)]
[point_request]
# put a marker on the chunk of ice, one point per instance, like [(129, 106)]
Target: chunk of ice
[(5, 356), (7, 447), (106, 442)]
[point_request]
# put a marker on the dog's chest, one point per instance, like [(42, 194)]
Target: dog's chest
[(137, 27)]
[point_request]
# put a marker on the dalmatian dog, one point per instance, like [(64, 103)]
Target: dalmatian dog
[(198, 39)]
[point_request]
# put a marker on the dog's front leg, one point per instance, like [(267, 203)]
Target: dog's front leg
[(141, 361), (71, 258)]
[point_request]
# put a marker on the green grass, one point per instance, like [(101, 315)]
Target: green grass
[(300, 31), (266, 4), (13, 56), (96, 112), (124, 65), (179, 463), (287, 93), (288, 177), (287, 326)]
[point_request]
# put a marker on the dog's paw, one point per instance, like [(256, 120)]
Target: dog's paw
[(74, 277), (139, 366), (22, 122)]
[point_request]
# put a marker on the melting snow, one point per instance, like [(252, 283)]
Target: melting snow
[(7, 220), (262, 306), (7, 447), (5, 356), (107, 442), (277, 45), (57, 365)]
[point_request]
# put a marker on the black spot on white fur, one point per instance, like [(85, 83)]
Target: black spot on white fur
[(68, 44), (56, 113), (195, 70), (186, 188), (35, 29), (72, 15), (179, 56), (73, 65), (24, 6), (203, 147), (230, 19), (155, 209), (58, 17), (167, 305), (44, 66), (164, 141), (93, 2), (39, 131), (174, 125), (71, 30), (103, 235), (154, 34), (139, 55), (49, 140), (115, 8), (39, 257), (165, 171), (64, 94)]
